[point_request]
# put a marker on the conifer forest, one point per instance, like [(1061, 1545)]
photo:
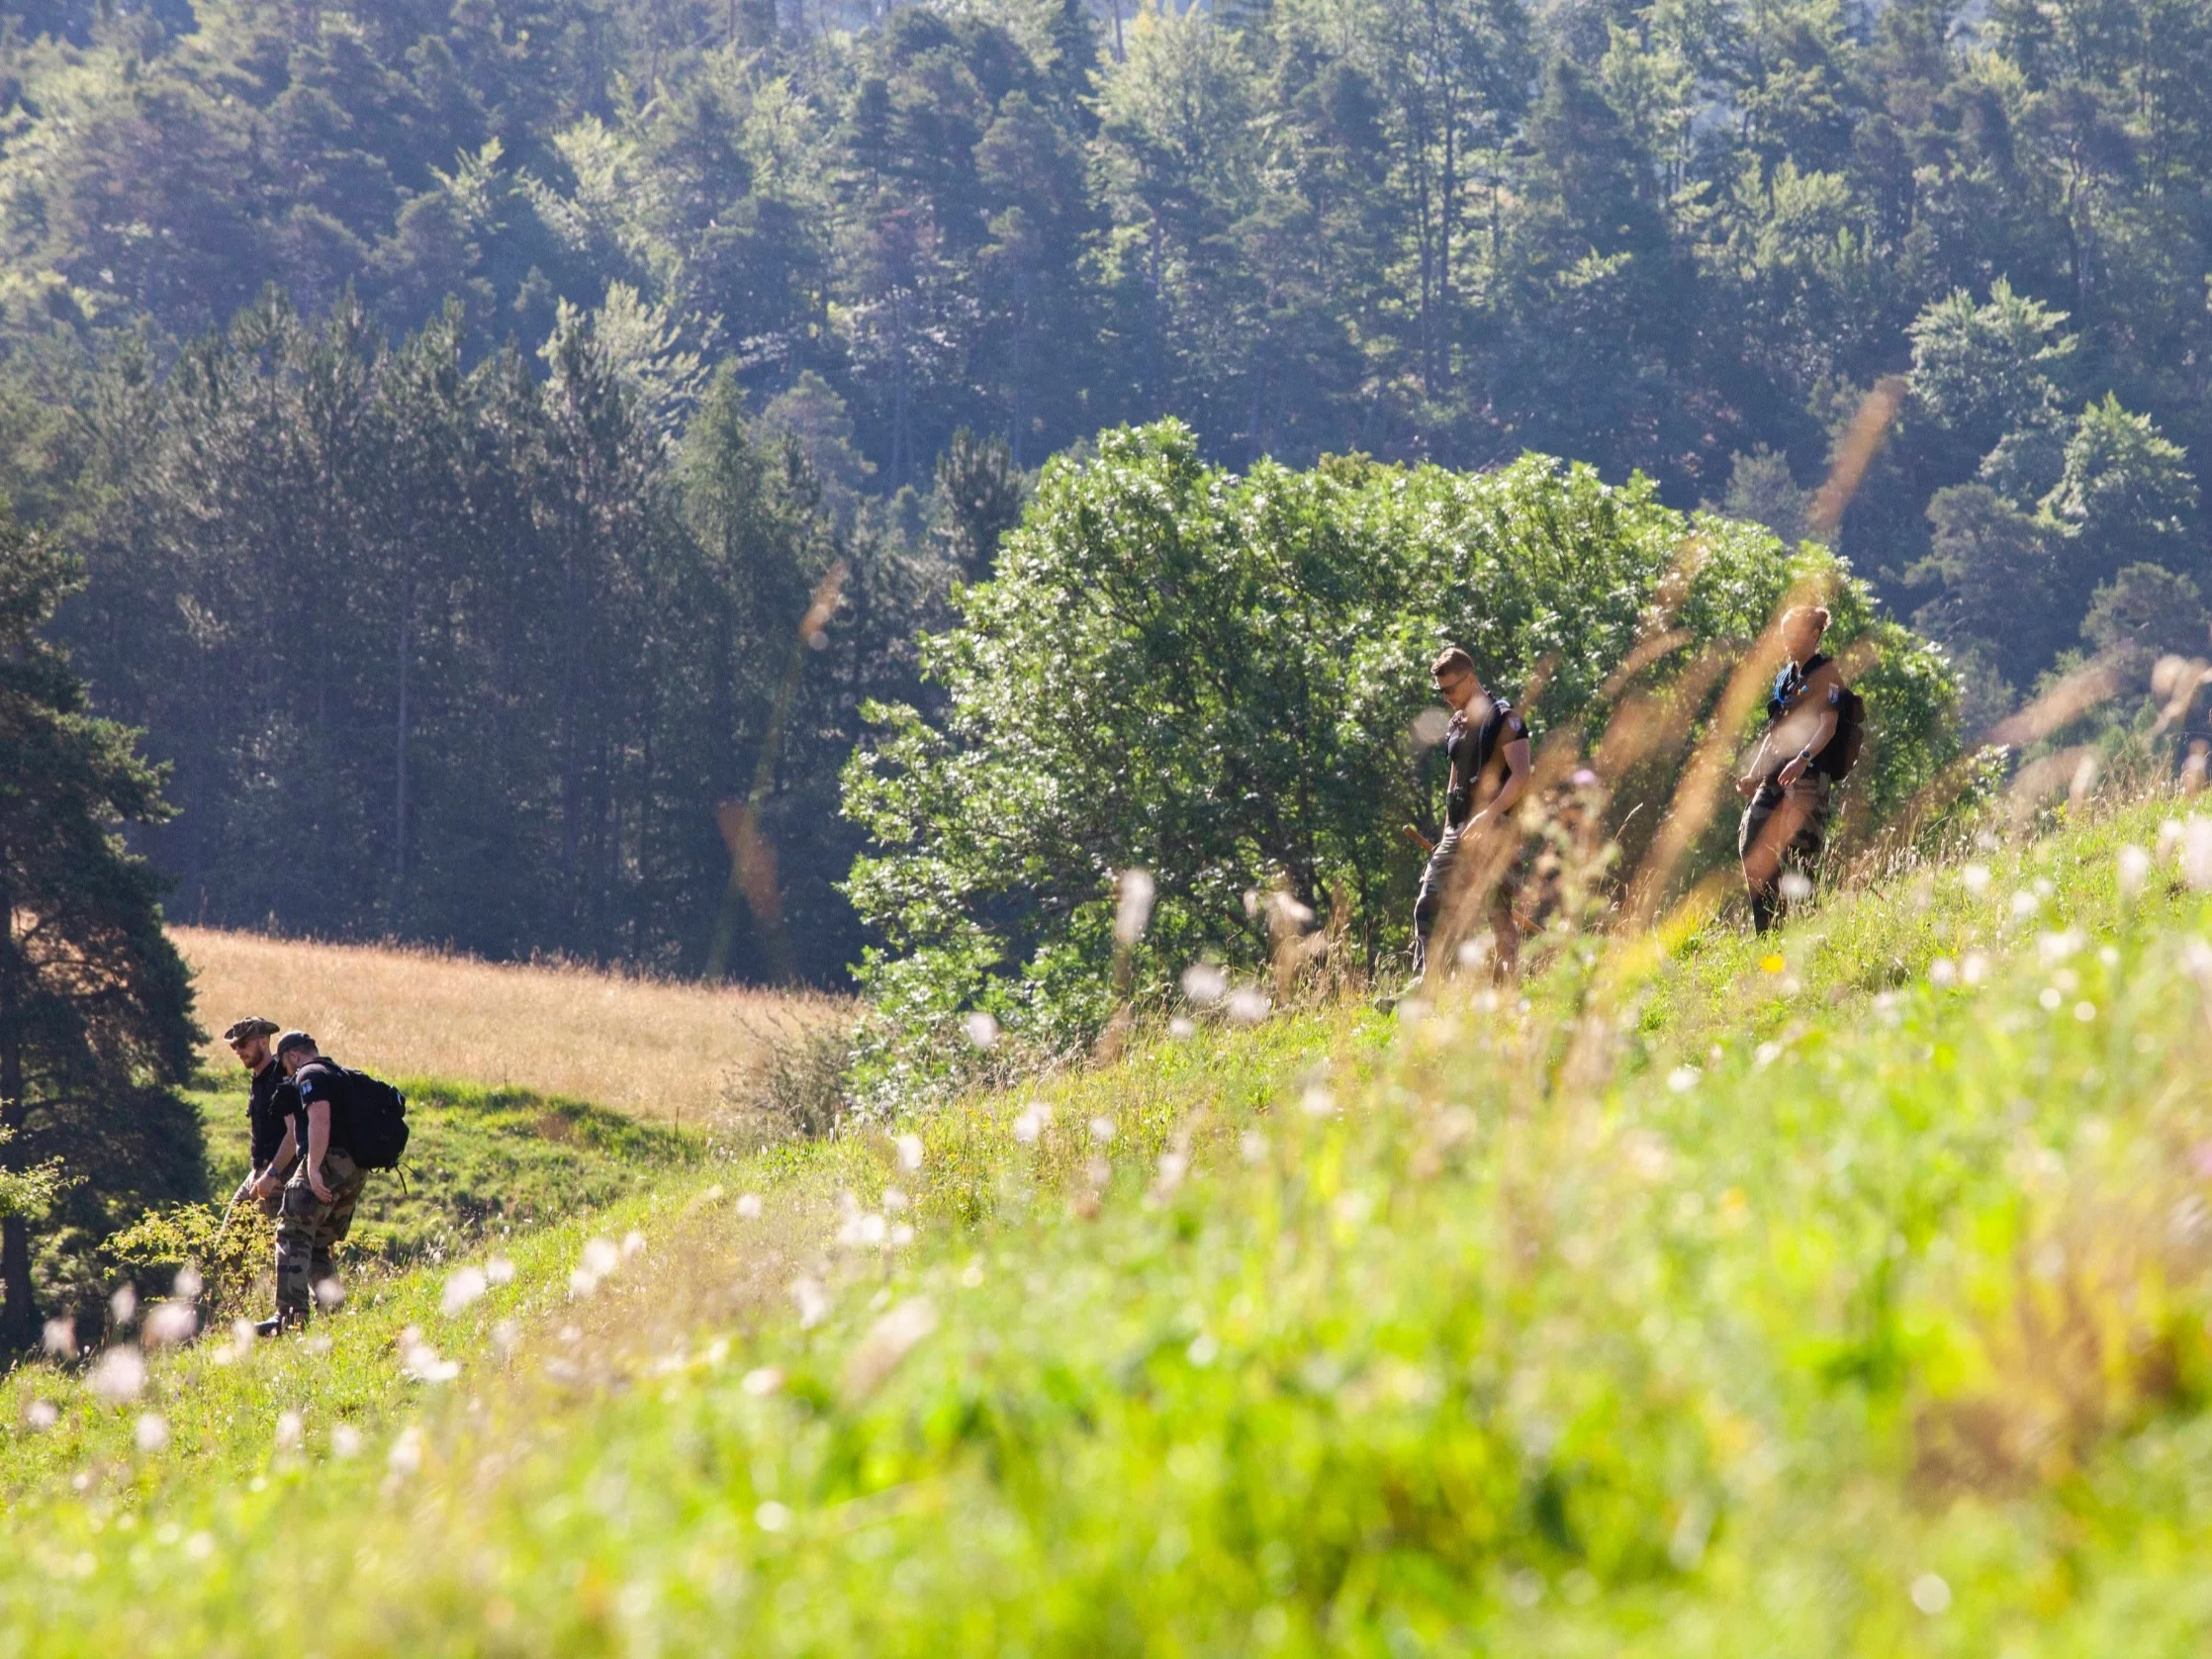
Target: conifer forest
[(504, 449)]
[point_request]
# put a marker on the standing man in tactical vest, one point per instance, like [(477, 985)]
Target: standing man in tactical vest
[(1487, 744), (1791, 782), (319, 1200), (268, 1127)]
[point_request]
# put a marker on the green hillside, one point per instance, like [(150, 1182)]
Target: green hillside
[(481, 1162), (1845, 1297)]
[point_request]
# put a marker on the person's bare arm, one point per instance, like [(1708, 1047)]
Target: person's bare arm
[(1748, 784), (319, 1146), (1821, 693), (1517, 778), (1794, 766), (271, 1179)]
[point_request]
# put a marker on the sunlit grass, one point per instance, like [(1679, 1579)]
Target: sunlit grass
[(1853, 1301)]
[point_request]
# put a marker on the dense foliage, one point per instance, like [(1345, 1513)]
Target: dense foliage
[(95, 1009), (1686, 239), (467, 654), (1218, 680)]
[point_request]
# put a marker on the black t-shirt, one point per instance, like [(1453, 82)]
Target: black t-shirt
[(1478, 768), (1794, 697), (319, 1080), (272, 1102)]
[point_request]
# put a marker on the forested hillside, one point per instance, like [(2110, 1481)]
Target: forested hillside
[(459, 407)]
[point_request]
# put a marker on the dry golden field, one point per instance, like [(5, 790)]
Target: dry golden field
[(682, 1052)]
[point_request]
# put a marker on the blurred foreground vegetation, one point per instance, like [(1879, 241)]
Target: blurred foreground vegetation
[(1845, 1292)]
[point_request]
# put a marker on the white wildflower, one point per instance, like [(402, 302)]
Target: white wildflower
[(811, 1300), (2196, 852), (1247, 1005), (2054, 948), (2135, 870), (1205, 984), (463, 1287), (119, 1374), (171, 1322)]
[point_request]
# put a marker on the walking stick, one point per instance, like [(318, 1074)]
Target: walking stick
[(245, 1186)]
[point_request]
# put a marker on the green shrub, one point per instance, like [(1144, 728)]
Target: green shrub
[(1217, 679)]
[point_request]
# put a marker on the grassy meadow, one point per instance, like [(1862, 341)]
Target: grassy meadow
[(480, 1164), (679, 1053), (1845, 1293)]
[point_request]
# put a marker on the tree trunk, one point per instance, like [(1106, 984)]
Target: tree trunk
[(1446, 209), (398, 757), (19, 1315)]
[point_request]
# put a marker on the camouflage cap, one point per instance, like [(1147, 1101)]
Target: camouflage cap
[(255, 1027)]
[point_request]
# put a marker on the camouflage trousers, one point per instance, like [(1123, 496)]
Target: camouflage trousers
[(308, 1228), (1441, 885), (1784, 833)]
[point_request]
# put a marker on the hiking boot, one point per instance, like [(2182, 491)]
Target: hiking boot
[(270, 1327)]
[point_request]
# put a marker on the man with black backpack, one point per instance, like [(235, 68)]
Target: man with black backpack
[(1816, 728), (346, 1124)]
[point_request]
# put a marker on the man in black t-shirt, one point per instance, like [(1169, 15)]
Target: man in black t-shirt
[(1487, 744), (317, 1210), (268, 1127), (1792, 779)]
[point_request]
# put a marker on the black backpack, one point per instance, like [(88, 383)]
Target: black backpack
[(1851, 734), (371, 1120)]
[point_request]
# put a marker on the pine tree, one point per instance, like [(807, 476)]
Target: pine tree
[(94, 1000)]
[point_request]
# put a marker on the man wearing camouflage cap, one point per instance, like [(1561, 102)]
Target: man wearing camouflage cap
[(267, 1115)]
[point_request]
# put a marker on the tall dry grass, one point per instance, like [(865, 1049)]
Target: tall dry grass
[(674, 1052)]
